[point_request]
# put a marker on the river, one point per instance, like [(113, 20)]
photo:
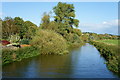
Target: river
[(82, 62)]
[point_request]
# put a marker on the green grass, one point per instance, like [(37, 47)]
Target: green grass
[(109, 52), (113, 42)]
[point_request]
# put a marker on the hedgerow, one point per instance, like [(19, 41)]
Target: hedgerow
[(110, 53)]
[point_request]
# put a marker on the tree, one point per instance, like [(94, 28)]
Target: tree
[(77, 31), (45, 21), (47, 24), (65, 13), (19, 22), (17, 27), (0, 28), (8, 27), (30, 29)]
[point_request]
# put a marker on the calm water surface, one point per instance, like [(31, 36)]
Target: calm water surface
[(83, 62)]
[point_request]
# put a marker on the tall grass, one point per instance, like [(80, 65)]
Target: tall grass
[(10, 55)]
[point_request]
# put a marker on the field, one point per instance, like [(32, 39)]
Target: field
[(113, 42)]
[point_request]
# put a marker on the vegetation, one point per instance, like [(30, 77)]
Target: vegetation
[(94, 36), (112, 42), (49, 42), (111, 54), (63, 23), (51, 37), (16, 29), (10, 55), (54, 37), (65, 14)]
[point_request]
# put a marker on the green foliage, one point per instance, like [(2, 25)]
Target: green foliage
[(95, 36), (49, 42), (85, 37), (9, 28), (14, 38), (77, 31), (30, 29), (50, 26), (111, 54), (63, 23), (65, 13), (53, 26), (0, 28), (6, 56), (114, 42), (17, 26), (47, 24), (10, 55), (46, 18), (45, 21), (25, 41), (73, 38), (20, 25)]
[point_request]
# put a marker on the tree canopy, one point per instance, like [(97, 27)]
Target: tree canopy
[(17, 26), (65, 13)]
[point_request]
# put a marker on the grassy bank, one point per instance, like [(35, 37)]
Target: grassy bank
[(10, 55), (110, 51)]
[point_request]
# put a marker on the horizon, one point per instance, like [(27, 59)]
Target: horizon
[(91, 19)]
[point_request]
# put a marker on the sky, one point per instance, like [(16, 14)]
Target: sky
[(97, 17)]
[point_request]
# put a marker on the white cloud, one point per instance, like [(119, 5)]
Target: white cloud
[(110, 27)]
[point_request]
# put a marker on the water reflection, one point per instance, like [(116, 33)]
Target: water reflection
[(82, 62)]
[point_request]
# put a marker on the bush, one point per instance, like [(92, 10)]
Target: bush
[(11, 55), (73, 38), (49, 42), (24, 41), (14, 38)]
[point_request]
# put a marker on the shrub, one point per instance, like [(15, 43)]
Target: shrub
[(72, 38), (14, 38), (24, 41), (11, 55), (49, 42)]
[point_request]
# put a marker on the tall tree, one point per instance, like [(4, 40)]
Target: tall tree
[(45, 21), (8, 27), (30, 29), (65, 13), (0, 28), (19, 22)]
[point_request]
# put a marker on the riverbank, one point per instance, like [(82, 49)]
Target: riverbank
[(81, 62), (12, 55), (111, 53)]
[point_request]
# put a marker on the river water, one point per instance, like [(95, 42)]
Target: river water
[(82, 62)]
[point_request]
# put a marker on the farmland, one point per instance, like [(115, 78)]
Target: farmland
[(112, 42)]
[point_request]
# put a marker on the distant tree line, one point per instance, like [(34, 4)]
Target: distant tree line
[(94, 36), (17, 27)]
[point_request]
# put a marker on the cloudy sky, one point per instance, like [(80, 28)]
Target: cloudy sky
[(98, 17)]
